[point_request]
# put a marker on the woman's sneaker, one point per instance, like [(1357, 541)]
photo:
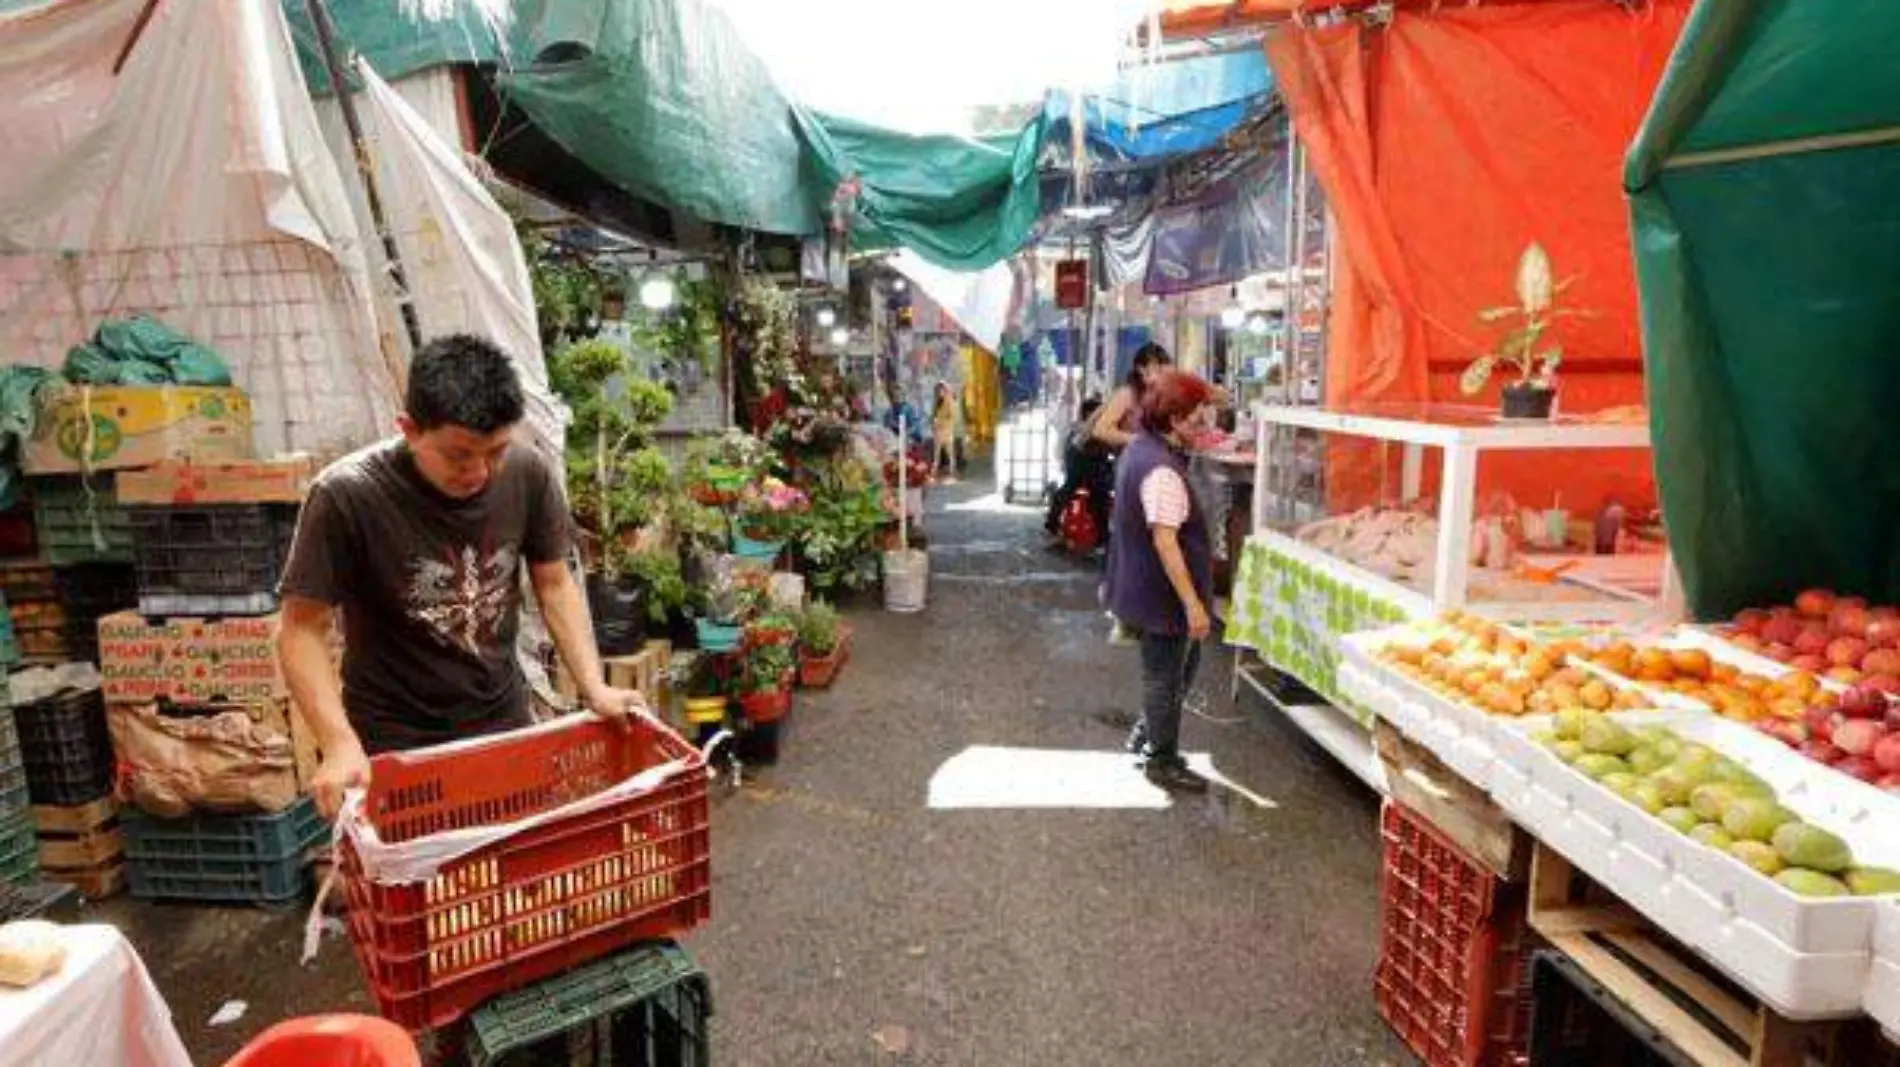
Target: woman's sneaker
[(1173, 774)]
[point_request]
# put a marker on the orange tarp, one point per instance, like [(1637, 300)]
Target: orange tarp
[(1446, 142)]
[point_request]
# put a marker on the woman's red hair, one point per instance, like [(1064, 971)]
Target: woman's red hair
[(1173, 396)]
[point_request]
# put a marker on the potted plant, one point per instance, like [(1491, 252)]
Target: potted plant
[(767, 513), (765, 684), (617, 481), (731, 599), (705, 685), (772, 628), (1525, 326), (839, 536), (823, 643)]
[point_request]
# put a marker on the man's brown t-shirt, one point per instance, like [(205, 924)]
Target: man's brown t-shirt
[(429, 588)]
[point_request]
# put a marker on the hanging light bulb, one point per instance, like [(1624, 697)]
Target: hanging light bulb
[(1257, 325), (827, 318), (840, 337), (657, 291), (901, 285)]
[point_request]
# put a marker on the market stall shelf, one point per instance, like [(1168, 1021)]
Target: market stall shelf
[(1883, 987)]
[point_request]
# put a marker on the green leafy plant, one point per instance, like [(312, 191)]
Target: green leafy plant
[(687, 332), (838, 538), (1526, 325), (766, 667), (570, 292), (658, 570), (818, 628), (617, 481)]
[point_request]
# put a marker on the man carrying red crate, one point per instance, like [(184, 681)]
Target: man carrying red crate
[(419, 542)]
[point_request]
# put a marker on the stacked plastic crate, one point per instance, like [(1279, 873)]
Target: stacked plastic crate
[(59, 718), (54, 612), (208, 546)]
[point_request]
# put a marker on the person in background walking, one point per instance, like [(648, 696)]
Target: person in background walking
[(1160, 567), (1116, 424), (943, 427), (1086, 464)]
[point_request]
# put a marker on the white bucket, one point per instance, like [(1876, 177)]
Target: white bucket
[(906, 579)]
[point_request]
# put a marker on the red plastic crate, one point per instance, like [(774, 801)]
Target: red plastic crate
[(523, 908), (1455, 950)]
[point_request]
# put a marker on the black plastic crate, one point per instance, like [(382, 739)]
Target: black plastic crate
[(79, 520), (66, 747), (218, 560), (27, 580), (19, 848), (1575, 1022), (646, 1007), (259, 859)]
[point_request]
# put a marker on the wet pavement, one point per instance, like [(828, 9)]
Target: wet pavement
[(939, 872)]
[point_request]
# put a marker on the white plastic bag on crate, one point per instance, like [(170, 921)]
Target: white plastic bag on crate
[(421, 859)]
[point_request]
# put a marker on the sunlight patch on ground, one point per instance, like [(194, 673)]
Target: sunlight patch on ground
[(993, 503), (993, 777)]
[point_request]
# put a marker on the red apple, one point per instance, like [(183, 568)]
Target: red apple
[(1887, 753), (1821, 752), (1812, 640), (1886, 683), (1849, 619), (1863, 702), (1751, 620), (1819, 721), (1781, 630), (1862, 769), (1857, 737), (1815, 603), (1810, 663), (1846, 651), (1786, 731), (1881, 661), (1883, 632)]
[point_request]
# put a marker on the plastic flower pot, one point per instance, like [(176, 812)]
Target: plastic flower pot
[(817, 672), (725, 479), (762, 707), (717, 637), (746, 548), (1523, 400), (704, 711)]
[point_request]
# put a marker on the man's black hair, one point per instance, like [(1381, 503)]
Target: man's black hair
[(465, 381)]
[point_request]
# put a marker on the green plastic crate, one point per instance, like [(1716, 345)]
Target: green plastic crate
[(19, 848), (646, 1007), (256, 859), (80, 521)]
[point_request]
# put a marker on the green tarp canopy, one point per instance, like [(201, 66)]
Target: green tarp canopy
[(1764, 191), (664, 99)]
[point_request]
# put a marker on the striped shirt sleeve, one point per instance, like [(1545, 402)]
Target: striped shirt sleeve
[(1164, 498)]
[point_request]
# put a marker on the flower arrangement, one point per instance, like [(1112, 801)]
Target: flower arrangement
[(769, 510)]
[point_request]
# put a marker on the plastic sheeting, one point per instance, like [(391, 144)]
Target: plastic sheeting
[(1166, 109), (1446, 142), (1235, 233), (463, 260), (1768, 274), (101, 1007), (192, 186), (977, 300)]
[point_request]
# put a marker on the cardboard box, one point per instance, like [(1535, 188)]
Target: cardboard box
[(183, 484), (119, 427), (190, 661)]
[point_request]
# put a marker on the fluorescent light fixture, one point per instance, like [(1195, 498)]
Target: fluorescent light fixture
[(1087, 212), (840, 337), (827, 318), (657, 292)]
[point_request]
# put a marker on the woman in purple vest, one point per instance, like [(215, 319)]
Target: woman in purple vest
[(1160, 567)]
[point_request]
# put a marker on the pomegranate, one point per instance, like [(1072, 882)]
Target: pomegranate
[(1857, 737), (1884, 633), (1849, 619), (1881, 661)]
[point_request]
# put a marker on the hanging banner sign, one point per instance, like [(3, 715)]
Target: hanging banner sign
[(1072, 283)]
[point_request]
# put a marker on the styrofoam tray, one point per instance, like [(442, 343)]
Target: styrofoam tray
[(1808, 958), (1883, 984), (1455, 732)]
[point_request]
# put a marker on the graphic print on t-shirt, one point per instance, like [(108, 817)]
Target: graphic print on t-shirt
[(462, 601)]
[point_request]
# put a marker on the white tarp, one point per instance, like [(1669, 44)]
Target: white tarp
[(978, 300), (192, 185), (462, 259)]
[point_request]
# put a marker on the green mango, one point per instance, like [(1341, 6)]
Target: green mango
[(1712, 835), (1568, 751), (1644, 759), (1620, 782), (1546, 738), (1755, 819), (1599, 766), (1681, 820), (1762, 857), (1568, 723), (1711, 800), (1803, 882), (1872, 881), (1606, 737), (1802, 845), (1679, 781), (1742, 778), (1646, 796)]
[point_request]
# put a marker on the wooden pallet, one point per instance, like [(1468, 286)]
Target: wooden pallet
[(1460, 810), (81, 845), (644, 672), (1668, 986)]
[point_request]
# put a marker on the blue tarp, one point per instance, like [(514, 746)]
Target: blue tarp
[(1167, 109)]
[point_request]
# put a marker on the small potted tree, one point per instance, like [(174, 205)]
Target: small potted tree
[(1522, 347), (823, 643)]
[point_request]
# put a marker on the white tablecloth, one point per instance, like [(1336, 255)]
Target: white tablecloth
[(100, 1009)]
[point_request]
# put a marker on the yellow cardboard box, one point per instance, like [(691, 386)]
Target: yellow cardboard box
[(119, 427)]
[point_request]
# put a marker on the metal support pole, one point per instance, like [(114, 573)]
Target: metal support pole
[(365, 169)]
